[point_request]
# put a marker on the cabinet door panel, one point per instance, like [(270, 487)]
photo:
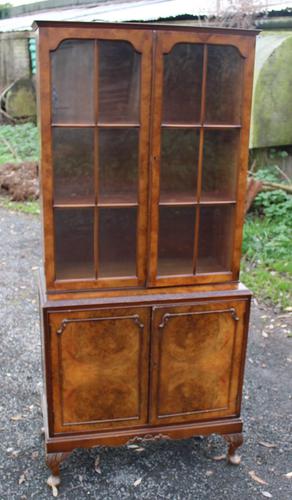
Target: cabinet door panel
[(95, 92), (99, 369), (197, 359), (201, 107)]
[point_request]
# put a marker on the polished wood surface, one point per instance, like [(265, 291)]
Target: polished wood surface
[(144, 144), (197, 359), (99, 369), (140, 125)]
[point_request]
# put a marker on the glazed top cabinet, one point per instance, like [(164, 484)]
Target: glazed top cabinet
[(144, 153)]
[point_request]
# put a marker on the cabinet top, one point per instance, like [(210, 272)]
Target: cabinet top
[(144, 26)]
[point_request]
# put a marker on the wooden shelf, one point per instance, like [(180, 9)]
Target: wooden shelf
[(70, 202), (118, 125), (174, 267), (73, 271), (209, 265), (117, 270), (182, 267), (211, 126), (189, 199), (99, 124), (117, 200), (104, 201)]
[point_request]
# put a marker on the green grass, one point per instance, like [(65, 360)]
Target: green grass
[(27, 207), (267, 258), (18, 143)]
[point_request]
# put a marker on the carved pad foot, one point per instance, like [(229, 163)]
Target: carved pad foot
[(233, 441), (53, 461)]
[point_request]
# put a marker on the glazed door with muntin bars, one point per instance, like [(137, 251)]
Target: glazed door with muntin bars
[(100, 94), (197, 121), (143, 156)]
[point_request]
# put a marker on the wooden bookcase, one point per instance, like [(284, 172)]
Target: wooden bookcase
[(144, 139)]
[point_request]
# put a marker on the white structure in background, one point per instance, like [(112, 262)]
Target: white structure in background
[(143, 10)]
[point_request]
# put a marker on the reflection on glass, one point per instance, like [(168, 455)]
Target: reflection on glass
[(118, 165), (182, 82), (119, 82), (117, 242), (72, 82), (74, 243), (215, 239), (220, 164), (178, 170), (73, 165), (176, 240), (224, 85)]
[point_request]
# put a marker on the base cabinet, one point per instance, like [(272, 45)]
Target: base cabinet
[(171, 368), (101, 365)]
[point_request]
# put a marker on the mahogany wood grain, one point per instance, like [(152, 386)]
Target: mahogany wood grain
[(196, 361), (99, 367), (130, 354)]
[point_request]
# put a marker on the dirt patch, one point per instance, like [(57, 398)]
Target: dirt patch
[(20, 181)]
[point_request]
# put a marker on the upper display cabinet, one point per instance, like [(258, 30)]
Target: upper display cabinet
[(144, 134)]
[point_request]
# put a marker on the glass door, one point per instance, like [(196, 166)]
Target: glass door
[(195, 160), (99, 135)]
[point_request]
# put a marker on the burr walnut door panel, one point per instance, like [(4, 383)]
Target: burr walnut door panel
[(197, 361), (99, 369)]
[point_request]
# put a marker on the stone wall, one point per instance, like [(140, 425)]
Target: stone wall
[(271, 123), (14, 57)]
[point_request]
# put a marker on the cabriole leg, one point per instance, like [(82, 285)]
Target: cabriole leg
[(53, 461), (233, 441)]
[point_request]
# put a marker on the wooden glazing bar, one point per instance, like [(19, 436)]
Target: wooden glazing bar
[(118, 125), (74, 205), (95, 156), (74, 125), (195, 203), (213, 126), (200, 160)]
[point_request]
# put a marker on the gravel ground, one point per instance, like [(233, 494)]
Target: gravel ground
[(166, 470)]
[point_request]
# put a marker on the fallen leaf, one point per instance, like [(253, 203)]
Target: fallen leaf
[(209, 472), (256, 478), (34, 455), (22, 479), (267, 445), (16, 417), (97, 465), (289, 475), (139, 450), (219, 457), (266, 494), (15, 453), (138, 481)]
